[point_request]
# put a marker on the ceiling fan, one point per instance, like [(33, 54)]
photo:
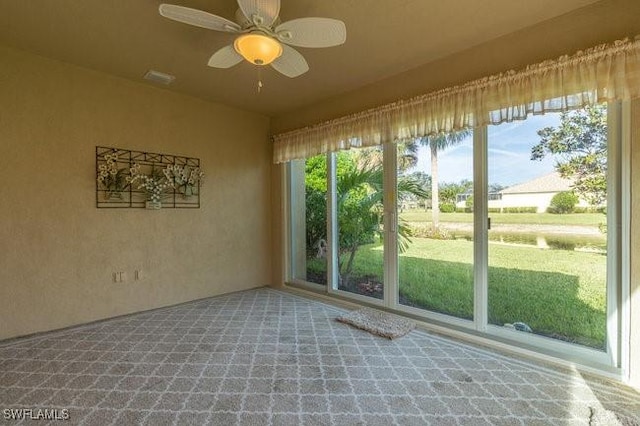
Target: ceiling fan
[(262, 39)]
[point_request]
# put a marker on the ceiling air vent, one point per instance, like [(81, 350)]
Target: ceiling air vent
[(159, 77)]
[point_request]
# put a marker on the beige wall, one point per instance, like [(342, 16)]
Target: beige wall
[(58, 251), (600, 22)]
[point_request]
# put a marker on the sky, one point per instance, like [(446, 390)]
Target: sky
[(509, 153)]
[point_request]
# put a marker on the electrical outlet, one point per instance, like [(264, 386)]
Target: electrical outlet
[(137, 275), (119, 277)]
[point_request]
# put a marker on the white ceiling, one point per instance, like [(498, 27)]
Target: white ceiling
[(384, 37)]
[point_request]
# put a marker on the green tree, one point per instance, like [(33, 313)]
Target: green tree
[(422, 179), (316, 195), (580, 144), (359, 199), (360, 211), (407, 155), (359, 204), (449, 191), (439, 143), (315, 201)]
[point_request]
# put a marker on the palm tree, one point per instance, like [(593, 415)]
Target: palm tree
[(407, 155), (438, 143), (360, 214)]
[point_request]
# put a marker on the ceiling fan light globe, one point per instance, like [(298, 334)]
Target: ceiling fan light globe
[(257, 48)]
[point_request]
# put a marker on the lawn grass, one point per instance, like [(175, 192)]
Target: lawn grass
[(576, 219), (558, 293)]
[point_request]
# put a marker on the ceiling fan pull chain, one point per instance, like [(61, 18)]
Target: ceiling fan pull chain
[(259, 80)]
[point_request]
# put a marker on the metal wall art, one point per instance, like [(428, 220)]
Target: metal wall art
[(136, 179)]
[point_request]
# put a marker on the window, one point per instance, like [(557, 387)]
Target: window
[(547, 245), (435, 256), (309, 221), (510, 231)]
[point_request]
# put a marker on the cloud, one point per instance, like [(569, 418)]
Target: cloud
[(505, 153), (509, 154)]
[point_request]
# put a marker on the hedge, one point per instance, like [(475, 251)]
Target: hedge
[(520, 210)]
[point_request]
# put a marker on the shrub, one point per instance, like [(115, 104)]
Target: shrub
[(563, 202), (434, 234), (316, 218), (447, 207), (582, 209), (495, 210), (469, 204), (520, 210), (589, 209)]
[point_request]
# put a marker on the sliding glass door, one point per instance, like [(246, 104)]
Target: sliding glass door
[(547, 243), (510, 231), (359, 206), (308, 194), (435, 227)]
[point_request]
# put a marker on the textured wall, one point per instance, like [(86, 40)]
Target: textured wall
[(597, 23), (58, 251)]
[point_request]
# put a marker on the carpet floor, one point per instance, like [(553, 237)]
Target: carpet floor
[(266, 357)]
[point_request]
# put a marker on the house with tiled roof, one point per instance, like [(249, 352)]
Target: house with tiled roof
[(534, 193)]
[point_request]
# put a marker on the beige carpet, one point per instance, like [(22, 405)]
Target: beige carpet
[(378, 322), (265, 357)]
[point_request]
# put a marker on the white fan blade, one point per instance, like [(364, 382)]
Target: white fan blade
[(225, 58), (198, 18), (265, 10), (312, 32), (290, 63)]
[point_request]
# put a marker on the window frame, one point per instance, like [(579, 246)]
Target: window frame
[(613, 361)]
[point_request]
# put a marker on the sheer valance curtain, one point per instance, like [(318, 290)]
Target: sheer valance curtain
[(604, 73)]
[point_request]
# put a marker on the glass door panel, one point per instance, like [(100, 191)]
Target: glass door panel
[(547, 248), (359, 209), (435, 224), (309, 219)]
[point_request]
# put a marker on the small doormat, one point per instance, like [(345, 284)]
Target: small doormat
[(378, 322)]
